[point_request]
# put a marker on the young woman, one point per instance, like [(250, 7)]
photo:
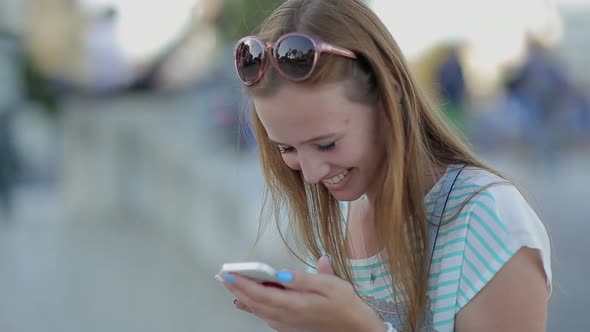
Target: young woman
[(414, 231)]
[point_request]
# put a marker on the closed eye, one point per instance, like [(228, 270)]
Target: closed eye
[(285, 149), (327, 147)]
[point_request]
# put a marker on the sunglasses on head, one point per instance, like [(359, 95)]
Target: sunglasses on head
[(294, 55)]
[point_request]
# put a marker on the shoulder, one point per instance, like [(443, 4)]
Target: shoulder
[(486, 222), (492, 207), (490, 198)]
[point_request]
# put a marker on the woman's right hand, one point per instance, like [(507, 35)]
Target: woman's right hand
[(324, 266)]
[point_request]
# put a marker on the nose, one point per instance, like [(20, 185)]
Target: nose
[(314, 169)]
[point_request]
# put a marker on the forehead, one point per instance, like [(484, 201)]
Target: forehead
[(296, 112)]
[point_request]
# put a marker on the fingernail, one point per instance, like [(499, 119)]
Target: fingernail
[(329, 258), (284, 276), (235, 301), (229, 279)]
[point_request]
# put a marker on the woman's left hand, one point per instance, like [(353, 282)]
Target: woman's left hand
[(311, 302)]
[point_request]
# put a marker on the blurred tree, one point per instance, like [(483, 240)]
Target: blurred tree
[(38, 88)]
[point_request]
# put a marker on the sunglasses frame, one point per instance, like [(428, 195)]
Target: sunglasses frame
[(319, 47)]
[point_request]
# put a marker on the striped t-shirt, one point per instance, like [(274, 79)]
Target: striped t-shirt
[(470, 249)]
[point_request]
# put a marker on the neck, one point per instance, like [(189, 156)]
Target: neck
[(431, 178), (362, 236)]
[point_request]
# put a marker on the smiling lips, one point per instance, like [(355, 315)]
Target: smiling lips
[(336, 179)]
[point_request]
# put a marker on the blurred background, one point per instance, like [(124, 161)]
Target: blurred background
[(128, 174)]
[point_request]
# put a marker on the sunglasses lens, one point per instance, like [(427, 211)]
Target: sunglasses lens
[(249, 59), (295, 56)]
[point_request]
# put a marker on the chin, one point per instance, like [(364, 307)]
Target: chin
[(347, 196)]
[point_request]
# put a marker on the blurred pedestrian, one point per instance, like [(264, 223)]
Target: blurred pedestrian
[(413, 231), (451, 81), (541, 90), (10, 97)]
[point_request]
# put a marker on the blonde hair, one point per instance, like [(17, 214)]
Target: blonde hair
[(414, 132)]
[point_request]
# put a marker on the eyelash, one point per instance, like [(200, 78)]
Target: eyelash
[(327, 147), (286, 149)]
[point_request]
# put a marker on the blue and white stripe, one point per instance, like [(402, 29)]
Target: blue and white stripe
[(476, 239)]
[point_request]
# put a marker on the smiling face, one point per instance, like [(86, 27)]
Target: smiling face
[(320, 132)]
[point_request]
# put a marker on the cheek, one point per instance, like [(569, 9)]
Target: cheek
[(291, 160), (352, 153)]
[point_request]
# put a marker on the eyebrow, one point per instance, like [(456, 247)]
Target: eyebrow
[(317, 138)]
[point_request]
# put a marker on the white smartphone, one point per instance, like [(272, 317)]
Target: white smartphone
[(257, 271), (254, 270)]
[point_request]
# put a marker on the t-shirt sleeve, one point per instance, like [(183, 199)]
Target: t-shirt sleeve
[(499, 222)]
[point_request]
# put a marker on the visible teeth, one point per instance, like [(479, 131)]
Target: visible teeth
[(337, 178)]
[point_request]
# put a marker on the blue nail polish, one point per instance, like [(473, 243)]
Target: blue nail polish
[(235, 301), (229, 279), (285, 276), (329, 257)]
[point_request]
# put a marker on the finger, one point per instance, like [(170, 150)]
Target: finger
[(262, 310), (270, 303), (255, 292), (325, 265), (227, 280), (321, 284), (239, 305)]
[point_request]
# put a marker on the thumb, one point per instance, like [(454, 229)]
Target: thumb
[(325, 265)]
